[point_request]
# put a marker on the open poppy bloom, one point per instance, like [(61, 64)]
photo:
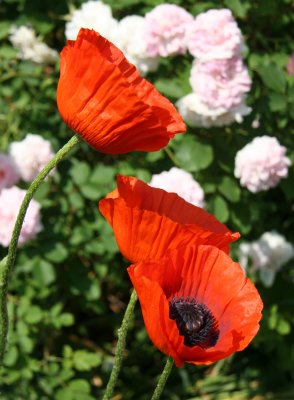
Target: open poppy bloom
[(197, 304), (148, 221), (102, 97)]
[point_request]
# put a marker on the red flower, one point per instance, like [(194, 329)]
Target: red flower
[(102, 97), (197, 304), (148, 221)]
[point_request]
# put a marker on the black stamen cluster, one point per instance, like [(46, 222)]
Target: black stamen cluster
[(194, 321)]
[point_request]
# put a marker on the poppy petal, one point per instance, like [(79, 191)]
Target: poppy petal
[(137, 193), (216, 281), (102, 97), (146, 224), (209, 276), (141, 234), (158, 325)]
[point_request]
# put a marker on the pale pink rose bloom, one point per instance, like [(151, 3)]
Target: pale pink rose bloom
[(268, 254), (131, 33), (8, 172), (214, 35), (178, 181), (290, 65), (220, 83), (261, 164), (31, 155), (198, 114), (165, 31), (10, 202)]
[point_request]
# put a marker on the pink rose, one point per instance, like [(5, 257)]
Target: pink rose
[(214, 35), (31, 155), (165, 31), (261, 164), (220, 83), (10, 202), (198, 114), (290, 65), (268, 255), (8, 172)]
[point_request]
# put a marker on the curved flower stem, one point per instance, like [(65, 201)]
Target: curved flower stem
[(6, 268), (162, 379), (172, 157), (121, 344)]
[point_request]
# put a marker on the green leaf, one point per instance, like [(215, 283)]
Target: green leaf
[(273, 317), (85, 361), (283, 327), (230, 189), (26, 344), (67, 351), (34, 315), (4, 29), (76, 200), (77, 389), (170, 88), (277, 102), (91, 191), (66, 319), (80, 172), (241, 220), (56, 309), (44, 272), (239, 8), (58, 254), (2, 265), (7, 52), (11, 356), (280, 58), (42, 192), (80, 235), (209, 187), (22, 328), (43, 27), (80, 385), (143, 174), (219, 208), (273, 77), (94, 292), (102, 175), (155, 156), (193, 155)]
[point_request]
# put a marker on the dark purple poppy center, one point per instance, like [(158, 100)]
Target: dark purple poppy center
[(194, 321)]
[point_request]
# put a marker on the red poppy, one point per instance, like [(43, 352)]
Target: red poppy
[(197, 304), (148, 221), (102, 97)]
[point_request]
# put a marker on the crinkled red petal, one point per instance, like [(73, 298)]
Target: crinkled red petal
[(146, 224), (212, 278), (102, 97)]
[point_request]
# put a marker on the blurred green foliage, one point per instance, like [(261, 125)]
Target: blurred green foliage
[(69, 289)]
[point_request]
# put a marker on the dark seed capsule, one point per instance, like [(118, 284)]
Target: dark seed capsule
[(194, 321)]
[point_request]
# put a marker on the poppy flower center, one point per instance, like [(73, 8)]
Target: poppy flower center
[(194, 321)]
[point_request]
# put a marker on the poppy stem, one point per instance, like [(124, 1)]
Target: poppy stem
[(121, 344), (163, 378), (7, 266), (172, 157)]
